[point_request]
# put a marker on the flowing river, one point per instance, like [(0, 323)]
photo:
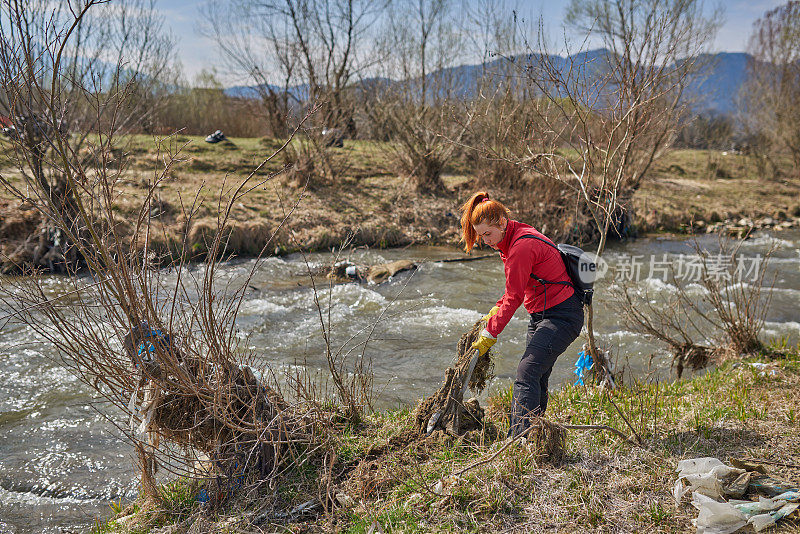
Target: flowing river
[(62, 462)]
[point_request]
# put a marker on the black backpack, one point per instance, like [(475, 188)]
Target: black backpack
[(577, 263)]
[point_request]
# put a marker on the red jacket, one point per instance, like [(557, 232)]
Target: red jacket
[(521, 257)]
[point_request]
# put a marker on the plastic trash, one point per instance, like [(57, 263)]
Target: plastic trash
[(680, 489), (763, 505), (215, 137), (789, 496), (769, 486), (716, 517), (762, 521), (584, 363), (697, 466), (712, 478)]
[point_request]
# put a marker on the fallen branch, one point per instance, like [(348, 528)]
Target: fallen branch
[(512, 441), (493, 456), (471, 258), (638, 437)]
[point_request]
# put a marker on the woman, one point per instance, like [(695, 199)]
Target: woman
[(556, 312)]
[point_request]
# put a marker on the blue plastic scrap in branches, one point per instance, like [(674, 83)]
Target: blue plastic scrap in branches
[(583, 364), (146, 346)]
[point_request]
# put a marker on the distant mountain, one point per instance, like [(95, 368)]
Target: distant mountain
[(299, 92), (719, 89), (715, 91), (296, 92)]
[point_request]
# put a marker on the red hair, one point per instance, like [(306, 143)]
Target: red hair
[(479, 208)]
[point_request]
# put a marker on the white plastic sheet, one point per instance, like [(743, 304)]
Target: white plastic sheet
[(762, 521), (716, 517), (706, 476), (708, 479)]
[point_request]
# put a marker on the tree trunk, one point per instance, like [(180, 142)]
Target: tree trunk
[(429, 179)]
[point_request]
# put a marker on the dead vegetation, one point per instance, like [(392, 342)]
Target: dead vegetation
[(446, 408), (384, 475), (725, 323)]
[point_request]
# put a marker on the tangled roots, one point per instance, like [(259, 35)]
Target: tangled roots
[(458, 416)]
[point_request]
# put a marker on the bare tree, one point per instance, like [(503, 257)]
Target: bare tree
[(771, 94), (318, 45), (412, 105), (490, 29), (653, 50), (68, 70), (256, 49)]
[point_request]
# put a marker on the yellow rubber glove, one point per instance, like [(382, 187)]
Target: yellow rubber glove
[(485, 342), (491, 313)]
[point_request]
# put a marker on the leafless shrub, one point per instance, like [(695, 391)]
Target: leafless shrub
[(182, 378), (415, 147), (719, 313), (739, 305), (501, 129), (709, 130), (311, 162), (161, 346)]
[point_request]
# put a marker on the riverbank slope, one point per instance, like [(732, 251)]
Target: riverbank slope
[(369, 204), (382, 480)]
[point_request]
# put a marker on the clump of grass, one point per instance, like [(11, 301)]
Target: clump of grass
[(177, 501)]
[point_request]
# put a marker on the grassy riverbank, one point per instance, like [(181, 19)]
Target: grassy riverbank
[(708, 186), (383, 479), (380, 209)]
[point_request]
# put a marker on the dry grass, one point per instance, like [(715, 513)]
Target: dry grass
[(382, 210), (381, 207), (385, 475), (693, 185)]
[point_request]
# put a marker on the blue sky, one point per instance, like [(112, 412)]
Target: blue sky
[(197, 53)]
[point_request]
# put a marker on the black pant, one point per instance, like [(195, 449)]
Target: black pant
[(549, 334)]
